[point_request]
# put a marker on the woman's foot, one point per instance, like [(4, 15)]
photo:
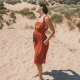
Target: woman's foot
[(41, 78), (35, 75)]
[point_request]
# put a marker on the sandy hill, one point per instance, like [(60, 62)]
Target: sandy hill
[(17, 52)]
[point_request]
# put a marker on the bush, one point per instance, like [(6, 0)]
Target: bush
[(32, 2), (44, 1), (1, 25), (1, 18), (49, 12), (13, 1), (25, 0), (62, 11), (3, 12), (12, 15), (57, 18), (78, 25), (31, 15), (69, 13), (71, 27), (33, 8), (2, 0), (25, 12), (78, 13), (7, 23)]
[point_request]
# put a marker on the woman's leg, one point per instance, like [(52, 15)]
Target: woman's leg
[(39, 67)]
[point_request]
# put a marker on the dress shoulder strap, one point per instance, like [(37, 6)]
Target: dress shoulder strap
[(44, 18)]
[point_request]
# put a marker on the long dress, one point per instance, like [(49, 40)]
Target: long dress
[(38, 38)]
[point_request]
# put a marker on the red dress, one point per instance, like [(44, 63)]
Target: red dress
[(38, 38)]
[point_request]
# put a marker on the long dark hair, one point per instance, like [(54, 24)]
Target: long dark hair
[(45, 9)]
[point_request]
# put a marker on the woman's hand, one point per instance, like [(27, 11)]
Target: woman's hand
[(45, 42)]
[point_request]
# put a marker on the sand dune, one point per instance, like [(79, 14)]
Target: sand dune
[(17, 52), (19, 6)]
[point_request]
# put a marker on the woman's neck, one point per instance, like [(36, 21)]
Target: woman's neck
[(41, 14)]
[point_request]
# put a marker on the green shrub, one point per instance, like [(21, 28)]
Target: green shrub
[(78, 25), (56, 10), (3, 12), (7, 23), (49, 12), (32, 2), (51, 8), (44, 1), (1, 18), (31, 15), (31, 27), (25, 12), (1, 25), (57, 18), (78, 11), (13, 1), (62, 11), (25, 0), (2, 1), (50, 1), (12, 15), (33, 8), (69, 13), (10, 28)]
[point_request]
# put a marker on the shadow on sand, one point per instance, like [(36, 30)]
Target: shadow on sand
[(62, 75)]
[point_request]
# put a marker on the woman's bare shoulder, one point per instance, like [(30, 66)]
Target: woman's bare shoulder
[(47, 18)]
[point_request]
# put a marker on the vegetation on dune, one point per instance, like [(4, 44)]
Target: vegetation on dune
[(12, 15), (25, 0), (33, 8), (78, 25), (32, 1), (67, 1), (3, 12), (29, 27), (69, 13), (1, 25), (13, 1), (2, 1), (57, 18), (71, 27), (27, 12), (43, 1), (1, 18)]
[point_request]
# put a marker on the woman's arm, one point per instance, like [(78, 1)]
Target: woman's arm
[(50, 26)]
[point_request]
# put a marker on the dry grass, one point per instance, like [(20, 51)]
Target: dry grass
[(57, 18), (13, 1)]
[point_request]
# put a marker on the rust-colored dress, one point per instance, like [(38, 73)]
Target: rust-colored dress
[(38, 38)]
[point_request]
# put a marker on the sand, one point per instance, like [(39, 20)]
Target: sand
[(17, 51)]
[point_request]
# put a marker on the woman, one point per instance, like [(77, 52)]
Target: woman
[(40, 40)]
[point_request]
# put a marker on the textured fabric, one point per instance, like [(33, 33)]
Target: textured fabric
[(38, 38)]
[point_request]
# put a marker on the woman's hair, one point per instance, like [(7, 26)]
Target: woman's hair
[(45, 9)]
